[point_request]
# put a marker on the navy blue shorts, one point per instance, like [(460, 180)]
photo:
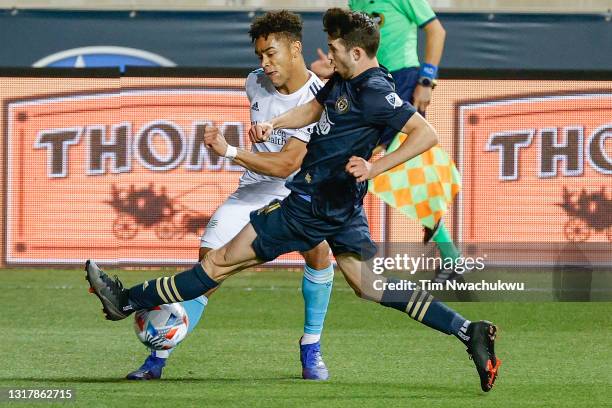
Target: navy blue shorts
[(289, 225)]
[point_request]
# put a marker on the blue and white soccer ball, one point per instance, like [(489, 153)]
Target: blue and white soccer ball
[(162, 327)]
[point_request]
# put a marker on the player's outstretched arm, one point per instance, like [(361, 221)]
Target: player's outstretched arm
[(295, 118), (280, 164), (421, 137), (299, 116)]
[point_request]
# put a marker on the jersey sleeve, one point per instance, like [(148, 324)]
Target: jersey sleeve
[(250, 85), (418, 11), (303, 134), (381, 106)]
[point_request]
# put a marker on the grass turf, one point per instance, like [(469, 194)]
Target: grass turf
[(244, 352)]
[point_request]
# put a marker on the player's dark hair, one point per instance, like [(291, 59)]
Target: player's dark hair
[(354, 28), (284, 23)]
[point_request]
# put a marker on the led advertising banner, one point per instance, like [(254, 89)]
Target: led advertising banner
[(115, 168), (536, 164)]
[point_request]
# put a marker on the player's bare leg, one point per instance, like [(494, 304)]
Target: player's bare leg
[(231, 258), (359, 278), (479, 337)]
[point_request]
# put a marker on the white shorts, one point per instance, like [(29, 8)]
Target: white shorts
[(231, 216)]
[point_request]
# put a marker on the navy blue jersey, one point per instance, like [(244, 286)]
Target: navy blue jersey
[(355, 115)]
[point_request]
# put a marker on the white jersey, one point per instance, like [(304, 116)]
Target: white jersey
[(256, 190), (266, 103)]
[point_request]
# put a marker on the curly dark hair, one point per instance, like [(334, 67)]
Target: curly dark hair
[(354, 28), (283, 22)]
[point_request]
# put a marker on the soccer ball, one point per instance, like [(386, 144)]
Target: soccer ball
[(162, 327)]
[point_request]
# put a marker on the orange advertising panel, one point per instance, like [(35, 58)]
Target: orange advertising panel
[(115, 168), (122, 175), (536, 168), (538, 154)]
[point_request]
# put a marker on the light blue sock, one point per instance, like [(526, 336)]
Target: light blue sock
[(195, 309), (316, 289)]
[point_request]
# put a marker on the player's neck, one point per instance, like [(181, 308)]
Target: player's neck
[(297, 79), (364, 66)]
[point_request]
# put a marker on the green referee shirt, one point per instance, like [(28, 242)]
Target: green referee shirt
[(399, 21)]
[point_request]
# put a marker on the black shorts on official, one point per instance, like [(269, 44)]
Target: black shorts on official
[(289, 225)]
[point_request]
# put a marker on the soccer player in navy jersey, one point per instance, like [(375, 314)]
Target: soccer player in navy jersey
[(326, 200)]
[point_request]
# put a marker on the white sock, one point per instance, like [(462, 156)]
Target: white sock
[(310, 338)]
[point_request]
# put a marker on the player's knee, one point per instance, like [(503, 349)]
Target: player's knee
[(210, 263), (318, 257), (219, 258)]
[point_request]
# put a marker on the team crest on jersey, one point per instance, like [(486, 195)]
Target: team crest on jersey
[(394, 100), (342, 104), (255, 107), (324, 124)]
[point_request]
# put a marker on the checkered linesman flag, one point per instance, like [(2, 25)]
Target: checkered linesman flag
[(422, 188)]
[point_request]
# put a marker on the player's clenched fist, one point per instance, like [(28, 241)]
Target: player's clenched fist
[(359, 168), (260, 132), (214, 140)]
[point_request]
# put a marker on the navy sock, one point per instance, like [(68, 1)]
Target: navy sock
[(186, 285), (422, 307)]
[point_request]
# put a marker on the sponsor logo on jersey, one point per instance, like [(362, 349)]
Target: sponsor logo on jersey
[(278, 137)]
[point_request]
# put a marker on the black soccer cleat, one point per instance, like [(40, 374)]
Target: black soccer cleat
[(481, 348), (114, 297)]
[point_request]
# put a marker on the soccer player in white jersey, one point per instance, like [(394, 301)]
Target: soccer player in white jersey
[(282, 82)]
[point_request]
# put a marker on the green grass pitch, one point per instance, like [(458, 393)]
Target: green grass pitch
[(245, 351)]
